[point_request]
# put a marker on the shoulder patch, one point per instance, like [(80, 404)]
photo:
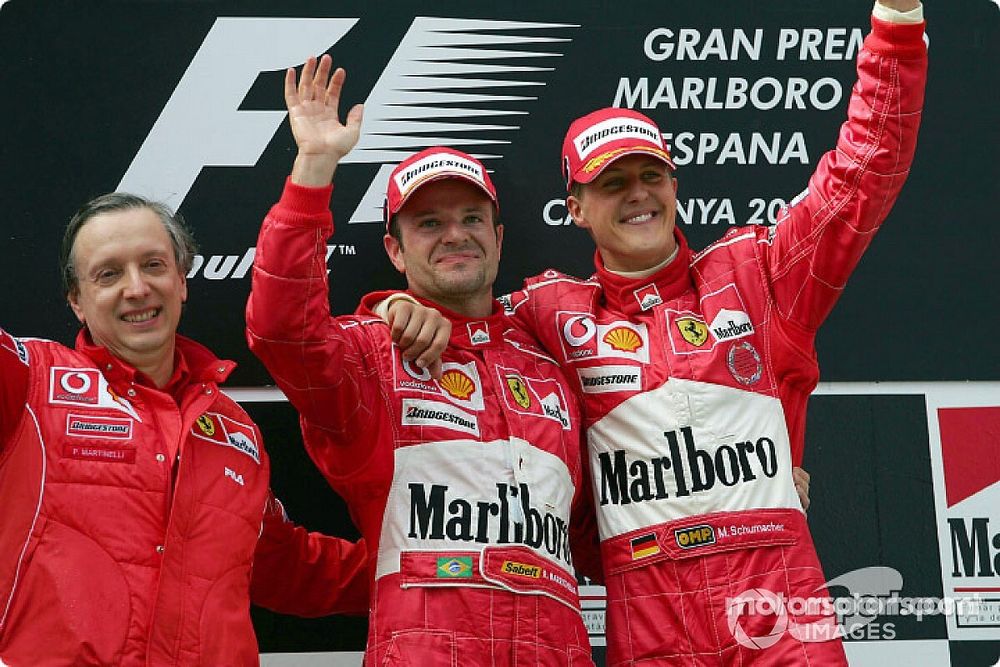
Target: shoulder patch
[(8, 342)]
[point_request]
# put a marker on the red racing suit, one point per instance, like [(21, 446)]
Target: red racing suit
[(694, 383), (462, 487), (112, 554)]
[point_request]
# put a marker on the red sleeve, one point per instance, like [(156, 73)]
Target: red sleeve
[(320, 362), (14, 362), (307, 574), (821, 236), (584, 541)]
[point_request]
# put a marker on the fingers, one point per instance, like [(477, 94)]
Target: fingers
[(431, 357), (801, 479), (421, 333), (355, 116), (291, 94), (306, 80)]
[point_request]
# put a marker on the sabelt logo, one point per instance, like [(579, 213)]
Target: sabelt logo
[(614, 129), (437, 514), (691, 469), (521, 569)]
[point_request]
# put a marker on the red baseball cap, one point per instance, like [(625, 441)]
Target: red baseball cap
[(596, 140), (433, 164)]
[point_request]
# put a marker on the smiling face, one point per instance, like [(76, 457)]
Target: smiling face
[(129, 290), (629, 210), (449, 248)]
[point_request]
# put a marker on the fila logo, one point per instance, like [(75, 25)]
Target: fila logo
[(202, 124), (235, 476)]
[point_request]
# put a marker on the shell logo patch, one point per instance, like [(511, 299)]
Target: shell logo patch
[(692, 330), (623, 339), (206, 425), (457, 384), (517, 389)]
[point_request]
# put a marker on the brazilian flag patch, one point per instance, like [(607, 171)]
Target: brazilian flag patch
[(454, 567)]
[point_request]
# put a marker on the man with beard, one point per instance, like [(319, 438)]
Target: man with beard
[(463, 485)]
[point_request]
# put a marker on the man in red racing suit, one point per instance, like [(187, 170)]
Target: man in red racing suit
[(463, 485), (695, 375), (694, 371)]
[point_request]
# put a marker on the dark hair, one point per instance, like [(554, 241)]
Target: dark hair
[(394, 232), (180, 235)]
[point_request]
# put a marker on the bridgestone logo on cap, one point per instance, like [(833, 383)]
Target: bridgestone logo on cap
[(615, 129), (434, 165)]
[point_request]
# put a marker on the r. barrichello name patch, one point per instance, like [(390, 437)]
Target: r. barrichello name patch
[(228, 432), (417, 412)]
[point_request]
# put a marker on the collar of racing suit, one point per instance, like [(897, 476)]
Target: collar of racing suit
[(628, 295), (472, 333), (196, 359)]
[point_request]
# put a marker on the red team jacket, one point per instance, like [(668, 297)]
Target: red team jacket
[(462, 487), (112, 555), (694, 383)]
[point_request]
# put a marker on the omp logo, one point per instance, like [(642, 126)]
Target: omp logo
[(445, 76)]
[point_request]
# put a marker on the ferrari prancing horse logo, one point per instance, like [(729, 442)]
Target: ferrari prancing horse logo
[(206, 425), (694, 331), (517, 389)]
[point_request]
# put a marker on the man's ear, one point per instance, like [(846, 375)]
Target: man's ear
[(575, 209), (73, 298), (395, 251)]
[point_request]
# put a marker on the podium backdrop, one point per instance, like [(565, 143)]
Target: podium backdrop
[(182, 101)]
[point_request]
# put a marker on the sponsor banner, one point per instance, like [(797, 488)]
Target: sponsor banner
[(963, 423), (462, 495)]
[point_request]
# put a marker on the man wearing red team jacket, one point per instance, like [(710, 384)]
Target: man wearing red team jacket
[(133, 490)]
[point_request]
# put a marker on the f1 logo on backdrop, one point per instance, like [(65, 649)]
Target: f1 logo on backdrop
[(412, 105)]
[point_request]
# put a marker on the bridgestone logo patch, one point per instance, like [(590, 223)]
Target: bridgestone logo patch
[(432, 413), (89, 426), (614, 129), (434, 165), (603, 379)]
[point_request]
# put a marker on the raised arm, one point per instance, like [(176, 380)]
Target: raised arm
[(821, 236), (316, 359)]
